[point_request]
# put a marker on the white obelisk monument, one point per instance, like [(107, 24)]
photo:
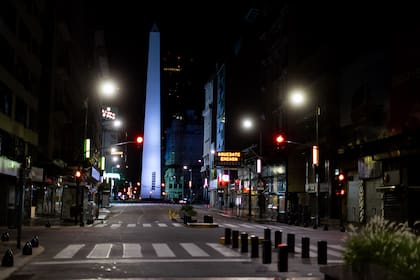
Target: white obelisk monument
[(151, 163)]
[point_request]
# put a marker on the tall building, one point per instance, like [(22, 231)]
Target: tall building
[(151, 163)]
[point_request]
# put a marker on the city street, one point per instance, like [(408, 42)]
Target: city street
[(141, 241)]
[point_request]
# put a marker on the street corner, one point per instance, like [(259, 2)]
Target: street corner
[(18, 260)]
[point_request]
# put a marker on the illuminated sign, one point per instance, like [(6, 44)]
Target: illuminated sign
[(228, 159), (108, 114)]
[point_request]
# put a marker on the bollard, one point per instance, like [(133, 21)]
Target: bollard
[(322, 252), (277, 238), (282, 261), (305, 247), (235, 241), (27, 249), (7, 258), (35, 241), (244, 242), (266, 257), (5, 236), (208, 219), (254, 246), (228, 233), (267, 234), (291, 242)]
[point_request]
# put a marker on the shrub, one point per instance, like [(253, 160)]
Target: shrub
[(388, 244), (187, 210)]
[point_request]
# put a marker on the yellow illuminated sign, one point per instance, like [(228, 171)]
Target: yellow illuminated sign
[(228, 158)]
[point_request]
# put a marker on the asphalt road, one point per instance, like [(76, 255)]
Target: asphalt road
[(140, 241)]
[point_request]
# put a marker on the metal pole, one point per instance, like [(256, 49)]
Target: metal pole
[(249, 196), (318, 112)]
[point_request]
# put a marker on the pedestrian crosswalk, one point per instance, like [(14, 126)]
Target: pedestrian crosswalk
[(169, 251), (131, 225), (147, 250)]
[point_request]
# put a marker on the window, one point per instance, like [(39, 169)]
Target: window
[(20, 111), (5, 100)]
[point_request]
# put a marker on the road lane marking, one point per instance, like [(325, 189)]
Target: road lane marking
[(162, 225), (132, 250), (147, 225), (162, 250), (225, 251), (246, 226), (194, 250), (114, 226), (176, 224), (69, 251), (130, 261), (100, 251), (131, 225)]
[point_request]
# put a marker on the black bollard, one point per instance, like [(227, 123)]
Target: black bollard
[(244, 242), (266, 257), (277, 238), (254, 246), (27, 249), (305, 247), (5, 236), (35, 241), (322, 252), (235, 239), (228, 233), (291, 242), (267, 234), (282, 262), (7, 258)]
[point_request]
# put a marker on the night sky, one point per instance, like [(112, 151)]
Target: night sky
[(204, 31)]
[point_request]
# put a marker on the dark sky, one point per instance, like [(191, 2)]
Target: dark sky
[(203, 30)]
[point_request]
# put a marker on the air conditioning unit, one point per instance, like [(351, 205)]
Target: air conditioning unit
[(392, 178)]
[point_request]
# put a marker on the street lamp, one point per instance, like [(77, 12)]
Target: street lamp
[(297, 98), (248, 124)]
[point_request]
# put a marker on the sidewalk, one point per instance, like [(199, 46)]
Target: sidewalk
[(19, 259)]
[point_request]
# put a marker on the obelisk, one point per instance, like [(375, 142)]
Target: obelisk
[(151, 163)]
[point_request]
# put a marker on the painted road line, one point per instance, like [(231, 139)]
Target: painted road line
[(131, 225), (194, 250), (100, 251), (225, 251), (162, 225), (163, 250), (69, 251), (147, 225), (132, 250)]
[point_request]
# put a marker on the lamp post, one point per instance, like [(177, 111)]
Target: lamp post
[(297, 98), (248, 124)]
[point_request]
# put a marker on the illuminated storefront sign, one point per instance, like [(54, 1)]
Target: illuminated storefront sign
[(228, 159)]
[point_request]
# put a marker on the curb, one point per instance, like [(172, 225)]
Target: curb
[(203, 225), (19, 261)]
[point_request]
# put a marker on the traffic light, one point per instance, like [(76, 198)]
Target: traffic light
[(78, 174), (340, 190), (139, 139), (280, 139)]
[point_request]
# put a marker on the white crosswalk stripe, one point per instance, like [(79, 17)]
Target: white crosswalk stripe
[(69, 251), (163, 250), (131, 250), (147, 225), (162, 225), (194, 250), (114, 226), (100, 251), (225, 251), (177, 224), (131, 225)]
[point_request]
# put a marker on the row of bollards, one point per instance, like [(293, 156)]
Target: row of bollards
[(232, 238), (8, 259)]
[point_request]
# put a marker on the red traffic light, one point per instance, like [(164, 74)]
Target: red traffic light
[(139, 140), (280, 139), (341, 177), (78, 174)]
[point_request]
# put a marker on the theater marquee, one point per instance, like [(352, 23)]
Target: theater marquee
[(228, 159)]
